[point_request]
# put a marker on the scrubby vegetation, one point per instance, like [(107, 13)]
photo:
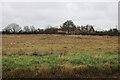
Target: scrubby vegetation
[(82, 65), (51, 55)]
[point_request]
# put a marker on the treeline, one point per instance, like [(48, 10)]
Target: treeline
[(52, 30), (29, 30), (102, 33), (67, 28)]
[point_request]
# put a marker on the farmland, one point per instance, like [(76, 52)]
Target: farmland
[(52, 55)]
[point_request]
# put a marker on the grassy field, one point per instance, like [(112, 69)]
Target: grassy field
[(48, 55)]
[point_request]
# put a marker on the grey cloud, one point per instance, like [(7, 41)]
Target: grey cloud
[(101, 14)]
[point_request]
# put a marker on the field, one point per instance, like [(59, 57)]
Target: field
[(51, 55)]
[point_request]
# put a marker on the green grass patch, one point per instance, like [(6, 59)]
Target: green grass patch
[(24, 61), (95, 58), (73, 65)]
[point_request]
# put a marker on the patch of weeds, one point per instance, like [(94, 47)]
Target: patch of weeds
[(68, 70), (64, 51), (43, 71), (81, 59), (36, 53), (4, 53), (21, 52), (62, 59), (51, 51)]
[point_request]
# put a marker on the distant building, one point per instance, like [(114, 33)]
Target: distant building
[(87, 28), (61, 31), (77, 30)]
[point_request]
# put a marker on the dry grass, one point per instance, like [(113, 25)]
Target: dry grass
[(44, 55), (65, 71), (55, 44)]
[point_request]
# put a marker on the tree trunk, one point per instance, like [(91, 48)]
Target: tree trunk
[(68, 32)]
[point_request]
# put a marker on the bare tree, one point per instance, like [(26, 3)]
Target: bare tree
[(12, 28), (26, 29), (32, 28)]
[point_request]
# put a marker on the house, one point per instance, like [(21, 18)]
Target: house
[(77, 30), (61, 31), (88, 28)]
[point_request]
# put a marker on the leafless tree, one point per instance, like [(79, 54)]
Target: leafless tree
[(32, 28), (12, 28), (26, 29)]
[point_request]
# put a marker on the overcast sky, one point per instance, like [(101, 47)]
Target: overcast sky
[(102, 15)]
